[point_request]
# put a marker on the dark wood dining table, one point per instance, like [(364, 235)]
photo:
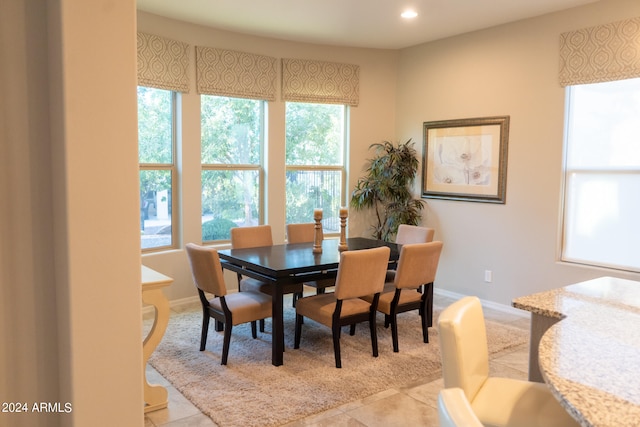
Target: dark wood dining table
[(280, 265)]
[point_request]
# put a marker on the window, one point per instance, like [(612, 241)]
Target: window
[(156, 155), (602, 175), (232, 175), (315, 162)]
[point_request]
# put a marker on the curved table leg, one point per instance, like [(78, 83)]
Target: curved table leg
[(155, 396)]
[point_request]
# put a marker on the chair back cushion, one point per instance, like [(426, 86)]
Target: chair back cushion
[(206, 269), (414, 234), (454, 410), (417, 265), (361, 272), (301, 233), (463, 346), (251, 237)]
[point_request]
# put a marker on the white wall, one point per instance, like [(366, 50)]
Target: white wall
[(70, 303), (372, 121), (508, 70)]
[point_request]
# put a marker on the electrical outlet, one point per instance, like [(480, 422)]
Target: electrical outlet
[(488, 276)]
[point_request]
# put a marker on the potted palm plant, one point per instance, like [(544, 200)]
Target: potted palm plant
[(386, 188)]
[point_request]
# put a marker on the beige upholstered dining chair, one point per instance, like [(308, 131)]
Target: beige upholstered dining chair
[(252, 237), (360, 273), (413, 234), (454, 410), (417, 266), (301, 233), (496, 401), (408, 234), (305, 233), (229, 309)]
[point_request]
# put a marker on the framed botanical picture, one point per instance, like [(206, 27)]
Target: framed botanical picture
[(466, 159)]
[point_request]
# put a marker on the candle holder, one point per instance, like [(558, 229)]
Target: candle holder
[(342, 246), (317, 241)]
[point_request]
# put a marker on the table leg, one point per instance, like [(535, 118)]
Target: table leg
[(155, 396), (277, 340), (539, 325), (428, 288)]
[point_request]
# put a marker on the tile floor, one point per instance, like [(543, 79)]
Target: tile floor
[(414, 404)]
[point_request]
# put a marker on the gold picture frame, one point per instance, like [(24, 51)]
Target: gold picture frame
[(466, 159)]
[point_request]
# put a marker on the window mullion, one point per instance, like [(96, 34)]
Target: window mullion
[(314, 168), (230, 167)]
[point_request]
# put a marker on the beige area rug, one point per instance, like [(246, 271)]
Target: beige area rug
[(250, 391)]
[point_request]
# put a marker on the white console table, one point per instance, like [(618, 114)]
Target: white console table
[(155, 396)]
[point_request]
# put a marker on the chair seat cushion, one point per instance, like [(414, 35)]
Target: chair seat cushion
[(384, 304), (406, 296), (321, 307), (388, 288), (390, 276), (254, 285), (321, 284), (245, 306), (510, 402)]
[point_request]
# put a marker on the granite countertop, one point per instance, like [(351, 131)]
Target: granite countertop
[(591, 358)]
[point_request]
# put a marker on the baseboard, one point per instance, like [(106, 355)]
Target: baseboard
[(173, 304), (487, 304)]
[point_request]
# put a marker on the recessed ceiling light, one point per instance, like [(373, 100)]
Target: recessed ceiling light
[(408, 14)]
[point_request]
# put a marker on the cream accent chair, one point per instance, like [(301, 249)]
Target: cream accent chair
[(229, 309), (252, 237), (454, 410), (417, 266), (496, 401), (305, 233), (360, 273)]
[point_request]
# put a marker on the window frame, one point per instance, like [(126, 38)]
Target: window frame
[(173, 168), (570, 175), (260, 167), (316, 168)]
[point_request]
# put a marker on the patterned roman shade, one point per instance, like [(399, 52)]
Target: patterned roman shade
[(163, 63), (320, 82), (232, 73), (601, 53)]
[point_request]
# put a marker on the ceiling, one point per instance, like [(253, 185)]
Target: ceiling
[(356, 23)]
